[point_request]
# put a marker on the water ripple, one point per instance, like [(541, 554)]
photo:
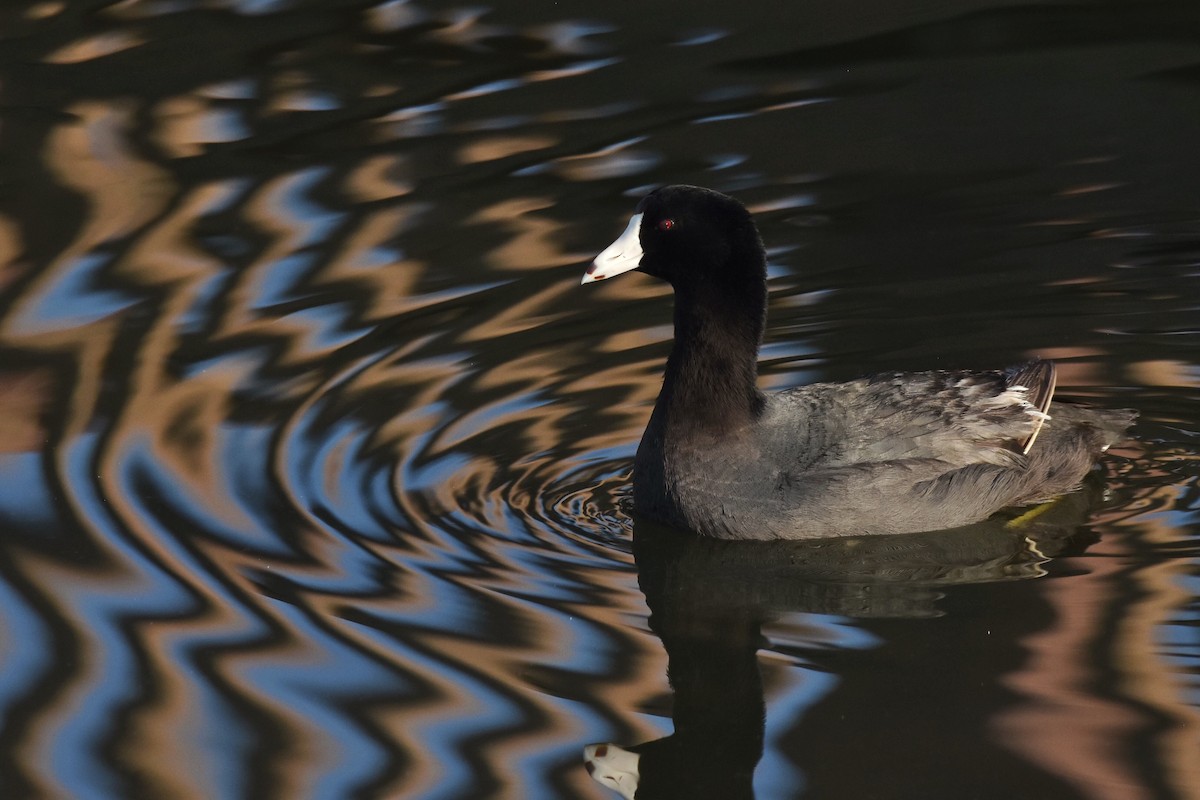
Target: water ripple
[(316, 460)]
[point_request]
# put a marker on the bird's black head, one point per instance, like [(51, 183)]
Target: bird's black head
[(687, 236)]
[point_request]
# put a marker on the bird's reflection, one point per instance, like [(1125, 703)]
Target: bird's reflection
[(709, 599)]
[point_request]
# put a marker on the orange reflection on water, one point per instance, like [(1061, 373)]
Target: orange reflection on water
[(24, 401), (94, 47), (1062, 725), (494, 148), (1066, 726)]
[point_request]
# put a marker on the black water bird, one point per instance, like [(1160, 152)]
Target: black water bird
[(888, 454)]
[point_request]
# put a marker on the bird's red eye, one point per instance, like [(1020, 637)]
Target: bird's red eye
[(666, 224)]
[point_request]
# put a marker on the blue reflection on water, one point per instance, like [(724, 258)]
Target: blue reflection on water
[(318, 689), (200, 314), (776, 774), (74, 297), (104, 611), (26, 497), (315, 686), (280, 279), (1178, 641), (26, 648), (332, 476), (481, 709), (216, 728)]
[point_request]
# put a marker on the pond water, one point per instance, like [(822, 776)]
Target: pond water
[(314, 455)]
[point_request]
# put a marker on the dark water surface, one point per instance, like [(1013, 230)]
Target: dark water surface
[(314, 453)]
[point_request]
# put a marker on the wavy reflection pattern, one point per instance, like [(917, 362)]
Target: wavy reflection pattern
[(311, 517), (312, 464)]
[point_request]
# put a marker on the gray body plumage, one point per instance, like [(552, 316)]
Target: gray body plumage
[(896, 454)]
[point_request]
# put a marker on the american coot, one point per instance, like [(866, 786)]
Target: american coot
[(893, 453)]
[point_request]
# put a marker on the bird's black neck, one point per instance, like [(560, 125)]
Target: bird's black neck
[(711, 381)]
